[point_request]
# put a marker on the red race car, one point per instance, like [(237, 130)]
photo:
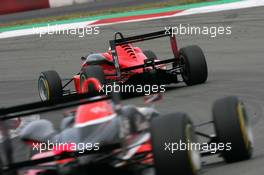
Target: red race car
[(127, 64)]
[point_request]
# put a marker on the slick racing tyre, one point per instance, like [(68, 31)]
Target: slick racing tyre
[(49, 85), (150, 54), (232, 127), (174, 129), (194, 66), (93, 71)]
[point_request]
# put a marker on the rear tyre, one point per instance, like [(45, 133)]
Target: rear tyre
[(232, 127), (150, 54), (49, 85), (194, 65), (174, 128), (93, 71)]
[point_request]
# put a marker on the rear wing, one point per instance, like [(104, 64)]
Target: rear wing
[(139, 38), (47, 106)]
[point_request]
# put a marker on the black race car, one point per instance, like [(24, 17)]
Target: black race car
[(126, 139)]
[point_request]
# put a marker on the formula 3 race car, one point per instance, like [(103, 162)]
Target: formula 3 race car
[(126, 139), (127, 64)]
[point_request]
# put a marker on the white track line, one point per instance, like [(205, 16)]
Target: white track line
[(61, 3), (222, 7)]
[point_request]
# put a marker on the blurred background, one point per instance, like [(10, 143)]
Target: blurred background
[(14, 12)]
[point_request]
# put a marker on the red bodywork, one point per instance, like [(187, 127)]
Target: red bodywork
[(128, 56)]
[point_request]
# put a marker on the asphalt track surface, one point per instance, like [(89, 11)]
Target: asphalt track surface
[(236, 67)]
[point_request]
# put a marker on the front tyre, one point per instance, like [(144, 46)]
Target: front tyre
[(49, 85), (175, 129), (232, 126), (194, 66)]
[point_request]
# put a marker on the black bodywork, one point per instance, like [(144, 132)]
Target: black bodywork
[(111, 144)]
